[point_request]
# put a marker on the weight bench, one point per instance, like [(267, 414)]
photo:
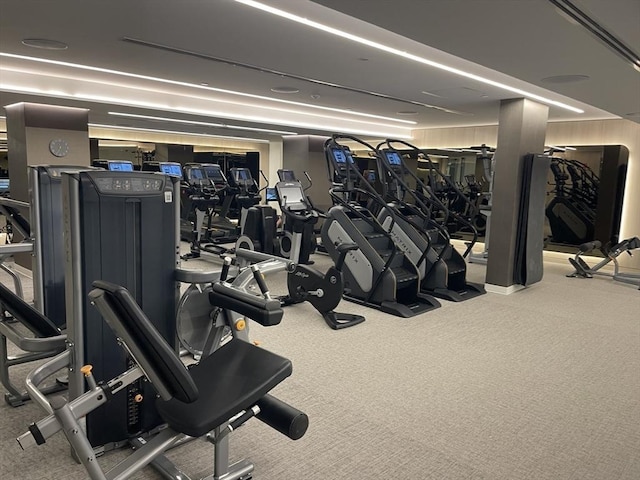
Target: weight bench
[(210, 398), (47, 341), (584, 270)]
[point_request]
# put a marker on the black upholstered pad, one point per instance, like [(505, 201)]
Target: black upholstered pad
[(39, 325), (232, 379), (151, 350)]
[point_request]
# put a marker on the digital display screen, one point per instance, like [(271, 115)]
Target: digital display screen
[(4, 184), (287, 175), (290, 195), (172, 169), (393, 158), (196, 174), (339, 155), (272, 196), (121, 166), (371, 176), (242, 174), (214, 173)]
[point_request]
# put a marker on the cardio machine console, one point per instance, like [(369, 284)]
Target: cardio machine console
[(171, 168), (394, 161), (342, 161), (291, 196)]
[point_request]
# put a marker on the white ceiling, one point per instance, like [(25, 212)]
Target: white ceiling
[(515, 42)]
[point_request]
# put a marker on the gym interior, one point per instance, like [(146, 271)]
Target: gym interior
[(406, 242)]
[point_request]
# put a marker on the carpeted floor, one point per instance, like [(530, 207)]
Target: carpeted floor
[(541, 384)]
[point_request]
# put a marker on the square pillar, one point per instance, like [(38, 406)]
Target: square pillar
[(521, 130)]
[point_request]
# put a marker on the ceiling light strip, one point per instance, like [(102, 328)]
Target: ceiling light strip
[(204, 124), (401, 53), (198, 97), (174, 132), (131, 103), (200, 87), (354, 131), (164, 107)]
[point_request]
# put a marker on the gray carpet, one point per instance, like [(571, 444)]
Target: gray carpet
[(541, 384)]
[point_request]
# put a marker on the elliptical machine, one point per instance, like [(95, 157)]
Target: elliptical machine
[(298, 239)]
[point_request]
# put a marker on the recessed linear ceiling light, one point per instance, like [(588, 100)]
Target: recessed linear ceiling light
[(209, 113), (401, 53), (44, 44), (407, 113), (201, 87), (204, 124), (174, 132)]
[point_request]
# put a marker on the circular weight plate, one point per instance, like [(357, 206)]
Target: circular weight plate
[(194, 319)]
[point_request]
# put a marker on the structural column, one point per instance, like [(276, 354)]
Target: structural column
[(40, 134), (44, 135), (521, 130)]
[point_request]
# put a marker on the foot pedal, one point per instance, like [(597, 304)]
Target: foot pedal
[(338, 321)]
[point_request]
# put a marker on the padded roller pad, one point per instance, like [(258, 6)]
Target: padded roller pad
[(266, 312), (230, 380)]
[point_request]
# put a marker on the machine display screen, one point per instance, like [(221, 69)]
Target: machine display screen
[(196, 174), (287, 176), (172, 169), (4, 185), (371, 176), (214, 173), (341, 156), (272, 196), (242, 174), (393, 158), (121, 166), (290, 195)]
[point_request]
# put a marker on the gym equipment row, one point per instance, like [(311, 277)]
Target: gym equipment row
[(404, 257)]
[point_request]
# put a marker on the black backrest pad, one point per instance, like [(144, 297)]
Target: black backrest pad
[(40, 325), (158, 355)]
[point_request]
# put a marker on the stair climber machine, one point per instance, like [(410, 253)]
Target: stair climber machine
[(427, 243), (571, 217), (378, 274)]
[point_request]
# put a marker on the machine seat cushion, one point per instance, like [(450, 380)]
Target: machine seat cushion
[(230, 380)]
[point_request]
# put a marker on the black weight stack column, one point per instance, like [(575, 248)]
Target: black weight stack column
[(121, 227), (48, 263)]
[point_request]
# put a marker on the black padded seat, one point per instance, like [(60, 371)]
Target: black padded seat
[(195, 401), (232, 379)]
